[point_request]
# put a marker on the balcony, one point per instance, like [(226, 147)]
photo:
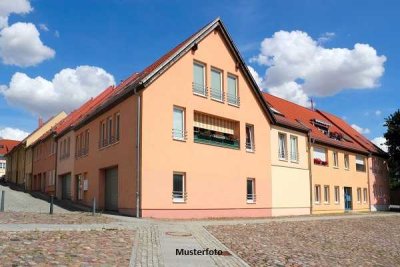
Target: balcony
[(199, 89), (215, 138), (179, 196), (107, 142), (251, 198), (81, 152), (360, 167), (180, 135), (233, 99), (320, 162), (217, 95)]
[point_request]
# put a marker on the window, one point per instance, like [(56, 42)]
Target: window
[(103, 140), (110, 138), (249, 138), (335, 159), (317, 193), (117, 126), (294, 153), (232, 95), (77, 145), (251, 190), (337, 194), (68, 146), (199, 80), (61, 150), (326, 194), (320, 156), (216, 84), (346, 161), (86, 148), (178, 130), (216, 131), (365, 195), (282, 146), (358, 195), (360, 163), (178, 190)]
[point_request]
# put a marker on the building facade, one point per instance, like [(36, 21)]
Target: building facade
[(5, 147)]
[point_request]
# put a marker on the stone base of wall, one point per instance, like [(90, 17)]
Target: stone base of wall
[(379, 207), (206, 213), (339, 211)]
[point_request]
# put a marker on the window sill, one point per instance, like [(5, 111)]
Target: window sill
[(336, 167), (327, 203), (179, 139), (294, 161), (250, 151), (217, 100), (110, 145), (250, 202), (317, 203), (179, 201), (283, 159), (347, 169), (233, 105), (201, 95), (337, 203)]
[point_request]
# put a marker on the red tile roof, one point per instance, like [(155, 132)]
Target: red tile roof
[(293, 114), (6, 146), (362, 140)]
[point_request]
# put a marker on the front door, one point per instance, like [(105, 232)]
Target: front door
[(347, 199), (111, 189), (66, 186)]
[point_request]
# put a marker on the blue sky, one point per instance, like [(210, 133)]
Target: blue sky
[(121, 37)]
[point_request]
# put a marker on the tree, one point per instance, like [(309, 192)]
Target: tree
[(392, 136)]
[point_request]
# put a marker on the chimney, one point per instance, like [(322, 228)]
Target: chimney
[(40, 122)]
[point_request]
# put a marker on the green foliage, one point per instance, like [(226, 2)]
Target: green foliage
[(392, 136)]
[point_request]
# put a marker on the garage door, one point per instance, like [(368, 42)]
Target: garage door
[(66, 186), (111, 189)]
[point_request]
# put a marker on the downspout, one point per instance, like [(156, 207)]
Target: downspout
[(138, 162), (369, 187), (55, 168), (310, 171)]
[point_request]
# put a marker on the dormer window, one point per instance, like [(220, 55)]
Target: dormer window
[(323, 126)]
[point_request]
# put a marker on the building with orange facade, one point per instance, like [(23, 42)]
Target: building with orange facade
[(192, 136)]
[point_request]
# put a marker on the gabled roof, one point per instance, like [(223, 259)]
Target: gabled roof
[(293, 114), (7, 145), (149, 74), (65, 124), (362, 140)]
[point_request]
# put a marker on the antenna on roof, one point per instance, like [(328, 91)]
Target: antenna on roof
[(312, 104)]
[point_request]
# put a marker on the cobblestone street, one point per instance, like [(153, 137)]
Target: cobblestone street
[(76, 248), (370, 241)]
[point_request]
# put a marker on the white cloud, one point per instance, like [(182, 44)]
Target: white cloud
[(325, 37), (299, 67), (8, 7), (43, 27), (12, 133), (378, 112), (380, 142), (256, 77), (66, 91), (360, 129), (20, 45)]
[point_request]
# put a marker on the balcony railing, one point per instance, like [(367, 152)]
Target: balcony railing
[(199, 89), (294, 156), (251, 198), (250, 147), (233, 99), (81, 152), (179, 134), (216, 139), (216, 94), (179, 196), (282, 154), (320, 162), (108, 141)]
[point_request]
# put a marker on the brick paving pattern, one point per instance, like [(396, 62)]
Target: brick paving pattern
[(71, 248), (56, 218), (342, 242)]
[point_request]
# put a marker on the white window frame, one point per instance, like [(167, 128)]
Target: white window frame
[(183, 198), (251, 146), (215, 70), (317, 194), (346, 161), (327, 194), (182, 136), (337, 194), (236, 90), (294, 155), (365, 195), (203, 66), (335, 156), (252, 198), (284, 151)]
